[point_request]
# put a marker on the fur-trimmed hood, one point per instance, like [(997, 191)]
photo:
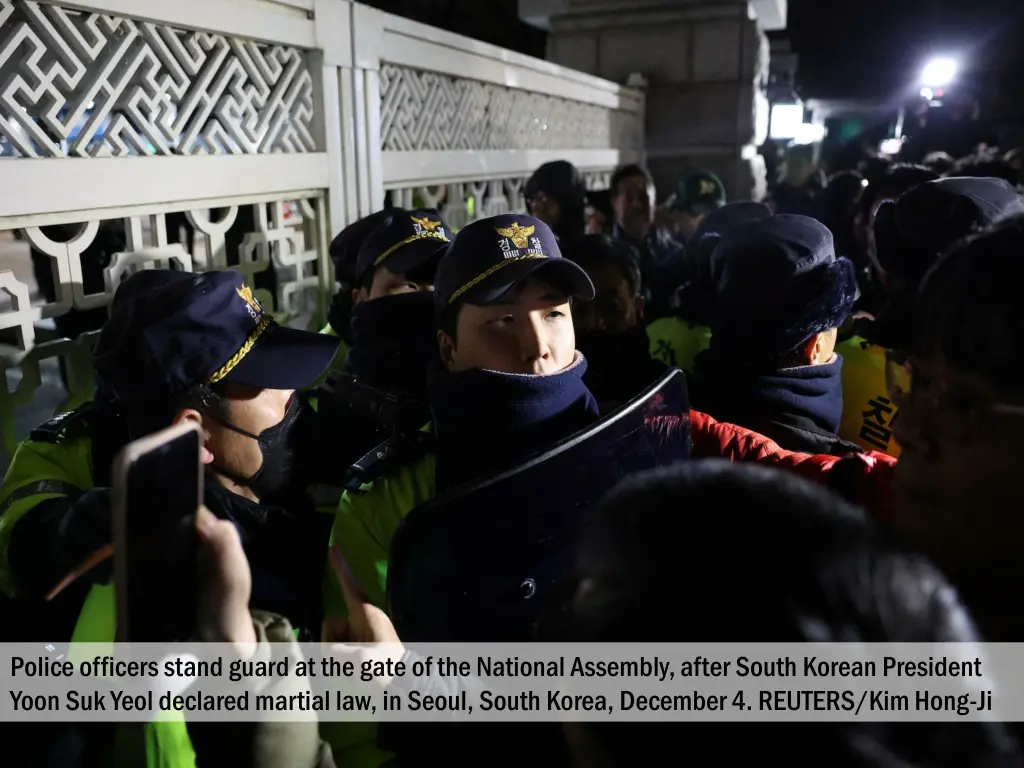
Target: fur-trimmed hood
[(778, 282)]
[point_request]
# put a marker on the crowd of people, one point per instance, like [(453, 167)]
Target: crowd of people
[(836, 461)]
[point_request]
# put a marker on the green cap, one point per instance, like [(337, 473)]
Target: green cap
[(700, 192)]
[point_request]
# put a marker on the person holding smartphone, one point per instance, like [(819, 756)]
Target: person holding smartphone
[(178, 347)]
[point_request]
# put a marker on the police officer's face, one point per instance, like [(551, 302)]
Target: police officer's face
[(634, 205), (387, 283), (528, 331), (957, 493), (614, 308), (253, 410)]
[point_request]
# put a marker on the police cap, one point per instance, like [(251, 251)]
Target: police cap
[(171, 330)]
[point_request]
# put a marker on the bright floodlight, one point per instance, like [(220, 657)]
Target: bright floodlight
[(927, 93), (786, 121), (939, 73)]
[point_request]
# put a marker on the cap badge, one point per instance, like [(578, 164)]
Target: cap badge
[(519, 235), (708, 187), (427, 224), (245, 293)]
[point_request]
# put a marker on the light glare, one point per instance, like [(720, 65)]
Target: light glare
[(939, 73), (786, 121), (891, 146)]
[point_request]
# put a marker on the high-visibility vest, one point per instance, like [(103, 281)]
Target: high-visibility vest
[(676, 342), (868, 407), (363, 528), (164, 743)]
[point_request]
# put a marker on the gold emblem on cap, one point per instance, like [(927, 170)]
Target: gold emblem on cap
[(427, 224), (245, 292), (518, 234), (708, 187)]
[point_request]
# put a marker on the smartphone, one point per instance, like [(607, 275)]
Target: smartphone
[(157, 490)]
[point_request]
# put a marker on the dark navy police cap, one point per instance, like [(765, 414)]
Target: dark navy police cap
[(344, 249), (491, 255), (170, 331), (403, 241)]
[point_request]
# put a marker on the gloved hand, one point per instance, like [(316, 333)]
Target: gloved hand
[(85, 528)]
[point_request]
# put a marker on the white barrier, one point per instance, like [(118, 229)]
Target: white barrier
[(125, 123)]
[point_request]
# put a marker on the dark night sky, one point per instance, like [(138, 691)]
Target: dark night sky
[(848, 48), (870, 47)]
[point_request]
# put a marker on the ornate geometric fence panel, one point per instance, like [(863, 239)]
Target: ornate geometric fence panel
[(78, 84), (48, 363), (462, 202), (430, 111)]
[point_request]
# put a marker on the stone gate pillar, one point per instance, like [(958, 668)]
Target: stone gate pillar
[(706, 67)]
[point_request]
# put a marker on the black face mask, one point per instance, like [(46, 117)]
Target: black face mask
[(278, 449)]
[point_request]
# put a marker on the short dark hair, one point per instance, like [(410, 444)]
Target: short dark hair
[(593, 250), (626, 172), (969, 305), (448, 318), (793, 563)]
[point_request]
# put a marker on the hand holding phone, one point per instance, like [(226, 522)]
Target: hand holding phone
[(227, 585), (158, 488)]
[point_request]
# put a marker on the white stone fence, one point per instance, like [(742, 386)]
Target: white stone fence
[(209, 133)]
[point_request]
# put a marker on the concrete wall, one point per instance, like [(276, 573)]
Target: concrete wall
[(705, 62)]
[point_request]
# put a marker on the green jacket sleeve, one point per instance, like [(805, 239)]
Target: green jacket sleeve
[(39, 472), (366, 522)]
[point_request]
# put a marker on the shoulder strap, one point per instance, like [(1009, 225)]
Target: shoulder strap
[(395, 452), (67, 425), (390, 411)]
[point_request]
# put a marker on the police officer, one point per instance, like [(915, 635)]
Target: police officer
[(508, 392), (509, 384), (380, 390), (910, 236), (392, 319), (178, 346), (344, 250)]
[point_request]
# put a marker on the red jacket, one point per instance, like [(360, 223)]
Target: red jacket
[(865, 478)]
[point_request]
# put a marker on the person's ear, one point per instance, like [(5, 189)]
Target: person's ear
[(811, 348), (359, 295), (191, 414), (640, 304), (446, 347), (816, 350)]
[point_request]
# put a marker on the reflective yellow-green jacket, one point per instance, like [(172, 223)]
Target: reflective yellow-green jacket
[(676, 342), (364, 525), (868, 409), (63, 469), (40, 471)]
